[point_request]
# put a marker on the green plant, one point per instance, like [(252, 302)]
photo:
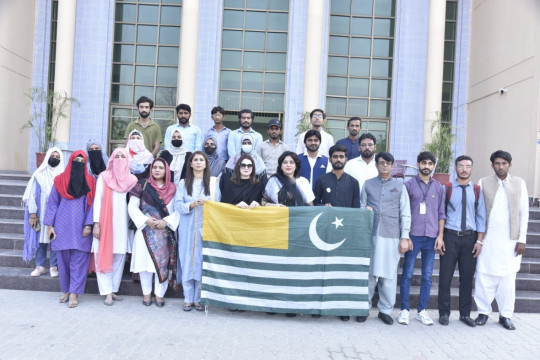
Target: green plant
[(442, 140), (305, 124), (47, 108)]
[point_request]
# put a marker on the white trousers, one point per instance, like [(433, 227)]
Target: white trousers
[(110, 282), (387, 292), (146, 284), (192, 291), (501, 288)]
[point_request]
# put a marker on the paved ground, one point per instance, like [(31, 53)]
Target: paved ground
[(35, 326)]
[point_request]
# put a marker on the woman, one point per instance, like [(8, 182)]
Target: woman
[(151, 208), (193, 192), (216, 163), (97, 159), (139, 157), (111, 243), (242, 189), (247, 149), (176, 157), (34, 199), (69, 216), (286, 187)]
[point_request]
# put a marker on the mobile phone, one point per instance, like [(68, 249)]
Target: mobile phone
[(52, 237)]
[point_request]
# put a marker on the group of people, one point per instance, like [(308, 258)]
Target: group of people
[(95, 210)]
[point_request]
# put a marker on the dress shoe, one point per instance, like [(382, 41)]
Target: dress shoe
[(481, 319), (315, 316), (361, 319), (147, 303), (506, 323), (345, 318), (387, 319), (290, 315), (467, 320), (160, 303), (444, 319)]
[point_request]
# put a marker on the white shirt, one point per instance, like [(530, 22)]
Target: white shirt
[(327, 141), (360, 170)]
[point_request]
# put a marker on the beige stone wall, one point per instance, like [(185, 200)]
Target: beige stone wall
[(16, 54), (505, 53)]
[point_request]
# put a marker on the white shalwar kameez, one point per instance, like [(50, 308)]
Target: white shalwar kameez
[(110, 282), (498, 264), (141, 262)]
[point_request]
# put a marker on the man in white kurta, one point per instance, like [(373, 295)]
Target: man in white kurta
[(507, 208)]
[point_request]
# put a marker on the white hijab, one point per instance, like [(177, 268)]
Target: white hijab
[(45, 175), (178, 159), (141, 157)]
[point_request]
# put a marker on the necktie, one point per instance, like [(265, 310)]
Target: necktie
[(463, 208)]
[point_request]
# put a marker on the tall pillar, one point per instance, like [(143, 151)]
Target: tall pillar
[(435, 65), (63, 72), (187, 68), (312, 67)]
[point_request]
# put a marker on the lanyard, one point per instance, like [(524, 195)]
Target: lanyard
[(427, 189)]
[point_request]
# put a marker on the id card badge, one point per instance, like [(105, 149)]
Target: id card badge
[(422, 208)]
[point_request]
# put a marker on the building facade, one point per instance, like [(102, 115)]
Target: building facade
[(395, 63)]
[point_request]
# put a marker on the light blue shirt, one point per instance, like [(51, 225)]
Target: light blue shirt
[(221, 136), (191, 141), (233, 143), (476, 220)]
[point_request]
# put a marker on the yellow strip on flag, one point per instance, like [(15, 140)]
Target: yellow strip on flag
[(227, 224)]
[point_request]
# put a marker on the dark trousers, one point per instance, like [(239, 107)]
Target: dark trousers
[(458, 250)]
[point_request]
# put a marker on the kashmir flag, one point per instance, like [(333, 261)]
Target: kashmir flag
[(308, 260)]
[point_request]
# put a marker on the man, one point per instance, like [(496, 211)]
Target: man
[(192, 134), (352, 143), (337, 188), (316, 118), (462, 242), (507, 212), (388, 199), (273, 147), (427, 223), (363, 168), (219, 131), (146, 126), (312, 163), (245, 118)]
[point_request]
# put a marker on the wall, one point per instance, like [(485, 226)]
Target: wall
[(16, 59), (505, 53)]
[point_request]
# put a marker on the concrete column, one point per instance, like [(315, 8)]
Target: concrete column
[(187, 68), (314, 42), (435, 65), (63, 74)]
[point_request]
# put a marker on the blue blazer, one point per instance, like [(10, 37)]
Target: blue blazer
[(319, 169)]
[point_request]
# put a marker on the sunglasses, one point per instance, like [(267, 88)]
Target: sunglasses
[(246, 166)]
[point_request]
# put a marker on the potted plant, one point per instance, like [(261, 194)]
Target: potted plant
[(442, 140), (47, 108)]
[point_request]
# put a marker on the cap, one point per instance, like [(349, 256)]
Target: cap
[(274, 122)]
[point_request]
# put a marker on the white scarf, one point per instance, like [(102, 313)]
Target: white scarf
[(44, 175), (141, 157), (178, 160)]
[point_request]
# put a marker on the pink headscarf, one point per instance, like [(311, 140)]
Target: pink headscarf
[(168, 189), (117, 175)]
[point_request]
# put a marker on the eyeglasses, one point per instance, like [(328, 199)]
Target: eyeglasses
[(367, 145), (385, 163), (246, 166), (317, 116), (461, 167), (218, 115)]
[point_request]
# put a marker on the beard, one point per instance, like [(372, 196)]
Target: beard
[(183, 120), (425, 171), (338, 165), (313, 148), (144, 114), (246, 125), (367, 154)]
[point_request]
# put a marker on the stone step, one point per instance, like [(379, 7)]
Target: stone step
[(19, 279), (533, 238), (11, 212), (14, 187), (21, 176), (11, 241), (10, 200), (534, 226), (11, 226), (534, 213)]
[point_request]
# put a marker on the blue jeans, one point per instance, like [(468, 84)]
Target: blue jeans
[(41, 256), (426, 245)]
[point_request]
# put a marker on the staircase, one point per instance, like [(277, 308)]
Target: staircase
[(15, 273)]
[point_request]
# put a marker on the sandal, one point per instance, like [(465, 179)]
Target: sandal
[(199, 307), (187, 307), (117, 297), (73, 303), (64, 298)]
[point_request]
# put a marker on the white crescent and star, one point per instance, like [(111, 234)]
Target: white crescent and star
[(317, 241)]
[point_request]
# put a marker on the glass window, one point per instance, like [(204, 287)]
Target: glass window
[(169, 35), (148, 14), (234, 3), (253, 61), (273, 102), (167, 76), (231, 59), (171, 15), (451, 10), (383, 47), (165, 96), (255, 20), (341, 7), (359, 67), (450, 31), (278, 21), (254, 40), (384, 8), (358, 87), (233, 19), (336, 86), (384, 27), (336, 106), (256, 4), (122, 73), (144, 75), (146, 34), (145, 54), (447, 92), (142, 91), (361, 26), (360, 47), (125, 13), (358, 107), (381, 68), (274, 82), (449, 51), (168, 55), (276, 41), (121, 94), (379, 108), (380, 88), (448, 71), (338, 65), (124, 33), (362, 7), (232, 39), (252, 81), (230, 80), (339, 24), (251, 100), (275, 61), (229, 99), (123, 53), (339, 45), (278, 5)]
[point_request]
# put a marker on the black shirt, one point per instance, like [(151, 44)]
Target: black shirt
[(342, 192)]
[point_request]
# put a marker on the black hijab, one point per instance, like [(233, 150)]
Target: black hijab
[(78, 186), (289, 194), (97, 165)]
